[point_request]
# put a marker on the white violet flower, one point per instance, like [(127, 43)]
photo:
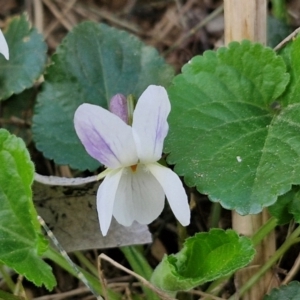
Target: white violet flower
[(135, 185), (3, 46)]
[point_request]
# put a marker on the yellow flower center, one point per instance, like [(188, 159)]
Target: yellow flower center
[(133, 168)]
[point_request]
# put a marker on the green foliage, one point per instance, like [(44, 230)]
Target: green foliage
[(204, 257), (20, 237), (27, 57), (93, 63), (231, 134), (288, 292), (277, 31), (16, 114), (287, 206), (139, 265), (7, 296)]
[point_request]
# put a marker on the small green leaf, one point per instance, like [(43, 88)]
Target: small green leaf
[(287, 207), (229, 135), (280, 209), (294, 207), (27, 57), (288, 292), (20, 237), (16, 114), (290, 54), (93, 63), (205, 257)]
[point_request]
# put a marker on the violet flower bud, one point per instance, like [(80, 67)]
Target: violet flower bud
[(118, 106)]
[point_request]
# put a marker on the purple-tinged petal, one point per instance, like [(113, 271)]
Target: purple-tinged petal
[(105, 136), (150, 125), (3, 46), (174, 191), (105, 199), (139, 197), (118, 106)]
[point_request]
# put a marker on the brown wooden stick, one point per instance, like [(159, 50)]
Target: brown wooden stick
[(246, 19)]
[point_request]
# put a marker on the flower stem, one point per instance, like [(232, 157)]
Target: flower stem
[(264, 230), (7, 278), (215, 215), (84, 261), (140, 266)]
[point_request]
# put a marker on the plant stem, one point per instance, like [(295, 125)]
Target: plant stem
[(215, 215), (264, 230), (182, 235), (291, 240), (86, 262), (94, 282), (7, 278), (279, 10), (140, 266)]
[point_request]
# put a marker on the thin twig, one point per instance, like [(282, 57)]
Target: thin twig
[(294, 270), (52, 26), (62, 251), (38, 15), (102, 279), (15, 121), (145, 282), (106, 15), (181, 17), (287, 39), (205, 295), (64, 295), (60, 17), (192, 31)]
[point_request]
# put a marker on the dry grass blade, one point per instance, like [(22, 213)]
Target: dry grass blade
[(52, 26), (67, 258), (61, 296), (287, 39), (60, 17), (191, 32), (145, 282), (38, 15)]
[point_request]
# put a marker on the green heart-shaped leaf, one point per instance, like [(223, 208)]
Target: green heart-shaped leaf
[(93, 63), (231, 135), (27, 57), (20, 238)]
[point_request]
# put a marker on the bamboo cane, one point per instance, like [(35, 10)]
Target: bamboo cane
[(246, 19)]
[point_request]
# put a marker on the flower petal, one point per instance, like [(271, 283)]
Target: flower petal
[(106, 195), (174, 191), (3, 46), (139, 197), (105, 136), (150, 125)]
